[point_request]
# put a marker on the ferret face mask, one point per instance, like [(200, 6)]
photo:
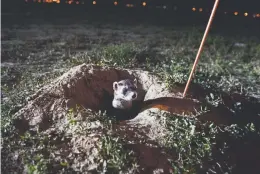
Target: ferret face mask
[(125, 90)]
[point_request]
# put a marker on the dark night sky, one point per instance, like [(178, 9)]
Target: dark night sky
[(251, 5)]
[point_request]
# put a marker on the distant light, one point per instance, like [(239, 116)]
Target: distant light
[(200, 9), (26, 0), (175, 8), (193, 9), (225, 12), (236, 13), (144, 3), (94, 2), (58, 2), (129, 5), (115, 3), (246, 14), (82, 3), (77, 2), (39, 1), (164, 7), (254, 15), (70, 2), (258, 15)]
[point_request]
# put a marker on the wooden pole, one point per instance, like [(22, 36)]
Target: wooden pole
[(201, 46)]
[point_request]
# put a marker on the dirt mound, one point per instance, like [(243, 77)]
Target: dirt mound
[(90, 87)]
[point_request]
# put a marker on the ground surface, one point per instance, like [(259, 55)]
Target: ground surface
[(34, 53)]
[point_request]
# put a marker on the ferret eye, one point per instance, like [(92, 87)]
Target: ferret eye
[(133, 88), (120, 84)]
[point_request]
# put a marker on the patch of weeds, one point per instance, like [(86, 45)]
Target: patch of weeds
[(115, 157), (206, 147), (214, 100), (72, 113), (118, 55), (78, 114), (10, 77), (239, 140), (218, 74), (27, 152), (27, 148), (80, 58), (37, 164), (175, 73), (16, 97), (217, 68), (35, 145), (192, 146), (14, 102)]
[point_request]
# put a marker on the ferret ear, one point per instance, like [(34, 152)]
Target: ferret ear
[(115, 86), (135, 82)]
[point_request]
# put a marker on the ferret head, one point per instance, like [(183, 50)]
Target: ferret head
[(124, 93)]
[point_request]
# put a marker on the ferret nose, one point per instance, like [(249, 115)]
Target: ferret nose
[(133, 96)]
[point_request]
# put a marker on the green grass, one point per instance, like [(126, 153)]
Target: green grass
[(168, 52), (198, 144)]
